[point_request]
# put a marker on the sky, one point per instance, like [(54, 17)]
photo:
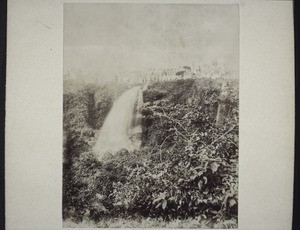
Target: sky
[(109, 38)]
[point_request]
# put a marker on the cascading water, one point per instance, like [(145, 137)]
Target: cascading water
[(115, 132)]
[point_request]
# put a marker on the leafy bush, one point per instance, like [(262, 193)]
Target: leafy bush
[(84, 111), (190, 168), (187, 168)]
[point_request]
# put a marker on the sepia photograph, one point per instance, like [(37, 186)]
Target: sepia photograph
[(150, 115), (135, 114)]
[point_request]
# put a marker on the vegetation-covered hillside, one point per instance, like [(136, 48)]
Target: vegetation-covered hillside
[(184, 175)]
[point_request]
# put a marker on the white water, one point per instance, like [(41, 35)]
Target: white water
[(113, 135)]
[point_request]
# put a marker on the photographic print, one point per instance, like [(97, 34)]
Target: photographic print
[(150, 115)]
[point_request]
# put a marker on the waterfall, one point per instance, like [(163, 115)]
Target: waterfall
[(115, 133)]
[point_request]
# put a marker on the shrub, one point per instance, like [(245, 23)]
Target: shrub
[(187, 167)]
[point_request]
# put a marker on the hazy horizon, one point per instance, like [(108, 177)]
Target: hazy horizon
[(110, 38)]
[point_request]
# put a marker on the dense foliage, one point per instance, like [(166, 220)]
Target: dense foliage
[(188, 165), (84, 111)]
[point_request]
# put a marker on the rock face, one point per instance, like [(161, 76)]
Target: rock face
[(122, 127), (135, 131)]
